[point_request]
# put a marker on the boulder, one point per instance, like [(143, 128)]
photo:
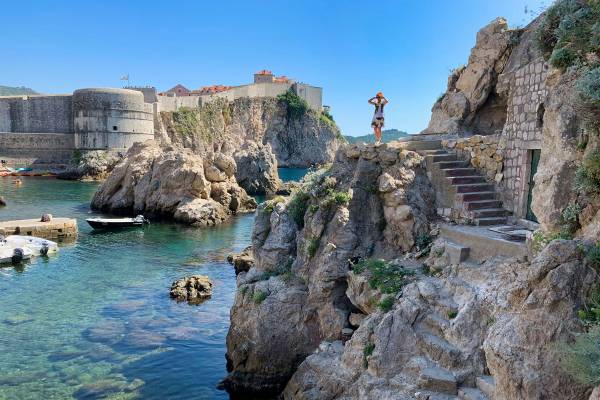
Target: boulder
[(193, 289), (243, 261), (173, 183), (257, 169), (93, 165)]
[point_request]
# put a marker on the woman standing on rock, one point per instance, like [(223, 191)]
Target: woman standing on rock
[(378, 119)]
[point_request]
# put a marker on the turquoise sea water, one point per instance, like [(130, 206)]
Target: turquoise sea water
[(291, 174), (96, 321)]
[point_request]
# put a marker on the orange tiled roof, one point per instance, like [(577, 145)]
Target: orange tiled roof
[(264, 72), (211, 89)]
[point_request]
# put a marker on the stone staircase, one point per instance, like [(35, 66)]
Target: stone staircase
[(440, 370), (461, 190)]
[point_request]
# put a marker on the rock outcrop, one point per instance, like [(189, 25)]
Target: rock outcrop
[(193, 289), (296, 141), (173, 183), (495, 327), (373, 202), (471, 103), (257, 169), (92, 166)]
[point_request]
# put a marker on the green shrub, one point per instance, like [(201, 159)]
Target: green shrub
[(259, 296), (313, 246), (593, 256), (335, 198), (386, 303), (313, 208), (384, 276), (581, 359), (423, 241), (563, 58), (570, 218), (587, 177), (588, 87), (327, 118), (243, 289), (298, 206), (295, 105), (540, 240), (270, 206), (590, 313), (367, 352), (569, 24), (452, 314)]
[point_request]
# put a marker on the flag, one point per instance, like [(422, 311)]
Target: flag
[(125, 77)]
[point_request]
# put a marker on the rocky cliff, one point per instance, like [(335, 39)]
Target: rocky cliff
[(174, 183), (256, 132), (346, 298)]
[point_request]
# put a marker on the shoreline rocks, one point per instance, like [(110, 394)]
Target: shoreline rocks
[(193, 289), (174, 183)]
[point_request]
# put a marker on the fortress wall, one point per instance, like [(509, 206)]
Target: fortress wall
[(312, 94), (41, 114), (111, 118), (44, 148), (175, 103)]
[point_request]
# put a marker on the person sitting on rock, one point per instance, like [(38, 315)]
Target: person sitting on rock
[(379, 101)]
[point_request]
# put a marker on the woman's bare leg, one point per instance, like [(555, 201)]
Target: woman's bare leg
[(378, 133)]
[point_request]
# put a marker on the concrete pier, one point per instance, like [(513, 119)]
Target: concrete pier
[(57, 229)]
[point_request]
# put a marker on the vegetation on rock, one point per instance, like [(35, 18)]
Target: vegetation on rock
[(259, 296), (296, 106), (298, 206), (388, 278), (386, 303), (587, 178)]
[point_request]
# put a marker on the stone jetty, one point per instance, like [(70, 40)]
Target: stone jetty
[(55, 229)]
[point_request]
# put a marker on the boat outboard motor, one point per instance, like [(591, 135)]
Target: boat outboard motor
[(17, 256), (44, 249)]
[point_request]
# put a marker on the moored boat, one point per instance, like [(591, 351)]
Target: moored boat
[(116, 223), (38, 246), (9, 254)]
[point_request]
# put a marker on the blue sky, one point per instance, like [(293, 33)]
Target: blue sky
[(350, 48)]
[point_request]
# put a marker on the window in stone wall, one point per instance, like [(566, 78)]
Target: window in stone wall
[(540, 115), (115, 128)]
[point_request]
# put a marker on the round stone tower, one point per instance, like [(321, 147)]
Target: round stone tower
[(111, 118)]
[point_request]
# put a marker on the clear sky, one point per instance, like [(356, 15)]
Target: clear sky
[(350, 48)]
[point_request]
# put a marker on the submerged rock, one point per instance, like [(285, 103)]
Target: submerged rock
[(143, 339), (108, 331), (193, 289), (173, 183)]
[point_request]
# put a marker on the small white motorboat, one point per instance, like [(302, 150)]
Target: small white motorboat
[(39, 246), (9, 254), (115, 223)]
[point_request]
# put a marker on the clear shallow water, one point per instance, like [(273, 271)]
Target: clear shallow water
[(96, 321), (291, 174)]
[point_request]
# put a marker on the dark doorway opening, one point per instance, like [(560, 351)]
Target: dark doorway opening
[(534, 158)]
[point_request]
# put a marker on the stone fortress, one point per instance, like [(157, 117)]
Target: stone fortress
[(49, 130)]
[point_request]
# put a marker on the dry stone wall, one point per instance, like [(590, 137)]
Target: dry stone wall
[(485, 153), (523, 129)]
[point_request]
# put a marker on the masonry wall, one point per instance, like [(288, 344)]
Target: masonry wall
[(37, 148), (36, 114), (522, 131)]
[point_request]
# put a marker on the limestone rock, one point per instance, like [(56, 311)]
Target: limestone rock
[(226, 127), (92, 165), (257, 169), (302, 269), (243, 261), (193, 289), (470, 87), (172, 182)]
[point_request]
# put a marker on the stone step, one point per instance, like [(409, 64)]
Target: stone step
[(443, 157), (480, 204), (440, 351), (465, 393), (461, 180), (474, 187), (463, 171), (489, 212), (416, 145), (486, 384), (456, 252), (433, 152), (483, 243), (451, 164), (438, 380), (435, 323), (489, 221)]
